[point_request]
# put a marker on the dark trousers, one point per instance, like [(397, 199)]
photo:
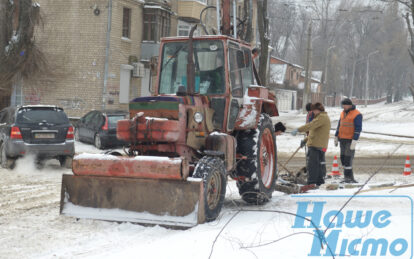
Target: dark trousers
[(323, 162), (315, 164), (347, 157)]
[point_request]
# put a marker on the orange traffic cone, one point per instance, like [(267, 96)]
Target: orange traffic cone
[(335, 168), (407, 167)]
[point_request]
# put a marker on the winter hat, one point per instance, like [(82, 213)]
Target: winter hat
[(318, 106), (280, 127), (346, 101), (308, 107)]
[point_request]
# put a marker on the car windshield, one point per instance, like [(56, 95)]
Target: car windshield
[(209, 67), (113, 119), (28, 115)]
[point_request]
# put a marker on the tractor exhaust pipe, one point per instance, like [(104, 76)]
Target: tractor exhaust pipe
[(190, 63)]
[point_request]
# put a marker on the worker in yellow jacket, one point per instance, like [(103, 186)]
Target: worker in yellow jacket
[(317, 142)]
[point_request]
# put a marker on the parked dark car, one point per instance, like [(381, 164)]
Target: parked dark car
[(42, 130), (99, 128)]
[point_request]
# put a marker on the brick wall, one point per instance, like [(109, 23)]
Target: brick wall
[(73, 39)]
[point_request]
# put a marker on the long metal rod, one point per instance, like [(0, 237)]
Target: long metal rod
[(218, 16), (108, 41)]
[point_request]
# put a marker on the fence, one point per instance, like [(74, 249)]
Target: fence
[(334, 101), (286, 99), (315, 98)]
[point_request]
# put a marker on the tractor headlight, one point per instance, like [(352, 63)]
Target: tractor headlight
[(198, 117)]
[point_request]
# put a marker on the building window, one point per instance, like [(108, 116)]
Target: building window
[(157, 23), (184, 28), (126, 23)]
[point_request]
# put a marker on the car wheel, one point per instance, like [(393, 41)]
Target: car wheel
[(98, 142), (66, 161), (5, 161)]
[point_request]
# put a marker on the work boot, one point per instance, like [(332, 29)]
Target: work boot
[(349, 179)]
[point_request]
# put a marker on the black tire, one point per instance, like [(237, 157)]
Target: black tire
[(213, 173), (98, 142), (66, 161), (5, 161), (255, 186)]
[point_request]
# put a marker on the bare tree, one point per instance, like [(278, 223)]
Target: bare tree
[(283, 15), (409, 19), (18, 52)]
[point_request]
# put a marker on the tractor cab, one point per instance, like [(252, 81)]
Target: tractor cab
[(213, 59), (221, 70)]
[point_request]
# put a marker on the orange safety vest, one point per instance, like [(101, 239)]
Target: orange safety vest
[(346, 126)]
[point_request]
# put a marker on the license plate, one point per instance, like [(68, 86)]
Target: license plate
[(44, 135)]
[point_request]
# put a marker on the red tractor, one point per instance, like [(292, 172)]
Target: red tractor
[(207, 120)]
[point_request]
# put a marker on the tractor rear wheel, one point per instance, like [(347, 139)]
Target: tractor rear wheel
[(257, 174), (213, 173)]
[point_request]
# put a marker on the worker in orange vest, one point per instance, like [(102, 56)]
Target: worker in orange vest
[(347, 134)]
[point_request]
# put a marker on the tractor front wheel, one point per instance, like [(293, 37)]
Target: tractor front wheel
[(213, 173), (257, 174)]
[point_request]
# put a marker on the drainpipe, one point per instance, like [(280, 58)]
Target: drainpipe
[(234, 20), (108, 38), (218, 16)]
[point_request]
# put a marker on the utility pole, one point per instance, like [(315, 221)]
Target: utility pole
[(107, 51), (306, 90), (367, 78)]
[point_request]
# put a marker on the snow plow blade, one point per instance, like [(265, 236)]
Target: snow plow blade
[(172, 203)]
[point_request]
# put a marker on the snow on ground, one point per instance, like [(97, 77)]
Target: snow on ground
[(394, 119), (31, 227)]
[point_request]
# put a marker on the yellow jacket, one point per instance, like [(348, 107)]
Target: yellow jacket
[(318, 129)]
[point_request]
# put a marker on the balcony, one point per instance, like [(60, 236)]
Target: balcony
[(189, 11)]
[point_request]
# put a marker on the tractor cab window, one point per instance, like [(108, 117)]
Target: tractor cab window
[(209, 67), (235, 62), (247, 70), (241, 72)]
